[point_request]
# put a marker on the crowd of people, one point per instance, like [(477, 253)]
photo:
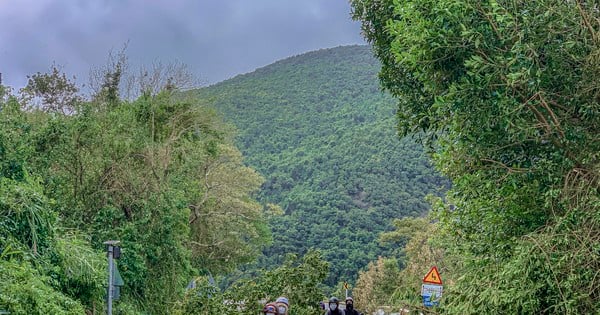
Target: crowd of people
[(282, 305)]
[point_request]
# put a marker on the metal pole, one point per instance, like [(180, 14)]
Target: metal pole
[(110, 290), (110, 278), (346, 287)]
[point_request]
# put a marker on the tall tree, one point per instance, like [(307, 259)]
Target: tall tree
[(376, 284), (160, 173), (52, 92), (506, 91)]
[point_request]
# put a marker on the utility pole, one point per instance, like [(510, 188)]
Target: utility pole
[(113, 252)]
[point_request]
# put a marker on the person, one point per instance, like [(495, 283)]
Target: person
[(283, 305), (270, 309), (334, 307), (350, 307)]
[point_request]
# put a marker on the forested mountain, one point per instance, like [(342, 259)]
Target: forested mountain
[(321, 132)]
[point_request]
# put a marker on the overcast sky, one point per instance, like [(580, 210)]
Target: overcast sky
[(217, 39)]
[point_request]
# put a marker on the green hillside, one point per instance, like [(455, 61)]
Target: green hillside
[(321, 132)]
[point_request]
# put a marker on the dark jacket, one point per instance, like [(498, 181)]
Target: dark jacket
[(336, 312), (352, 312)]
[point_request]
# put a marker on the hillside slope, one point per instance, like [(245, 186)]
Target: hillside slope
[(323, 135)]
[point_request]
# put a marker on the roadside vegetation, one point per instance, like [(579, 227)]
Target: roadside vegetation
[(506, 95)]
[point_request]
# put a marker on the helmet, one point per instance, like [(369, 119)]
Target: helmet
[(335, 300), (270, 308), (349, 299), (283, 299)]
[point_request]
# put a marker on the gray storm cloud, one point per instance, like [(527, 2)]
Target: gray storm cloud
[(217, 39)]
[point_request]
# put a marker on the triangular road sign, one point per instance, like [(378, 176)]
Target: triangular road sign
[(433, 276)]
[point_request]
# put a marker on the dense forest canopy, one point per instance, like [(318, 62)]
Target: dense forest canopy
[(322, 133), (507, 93)]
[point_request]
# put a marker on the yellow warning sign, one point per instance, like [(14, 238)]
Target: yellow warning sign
[(433, 276)]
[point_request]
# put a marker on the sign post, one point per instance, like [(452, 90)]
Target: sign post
[(113, 251), (432, 288), (346, 287)]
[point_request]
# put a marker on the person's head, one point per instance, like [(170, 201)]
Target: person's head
[(282, 305), (270, 309), (349, 303), (334, 303)]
